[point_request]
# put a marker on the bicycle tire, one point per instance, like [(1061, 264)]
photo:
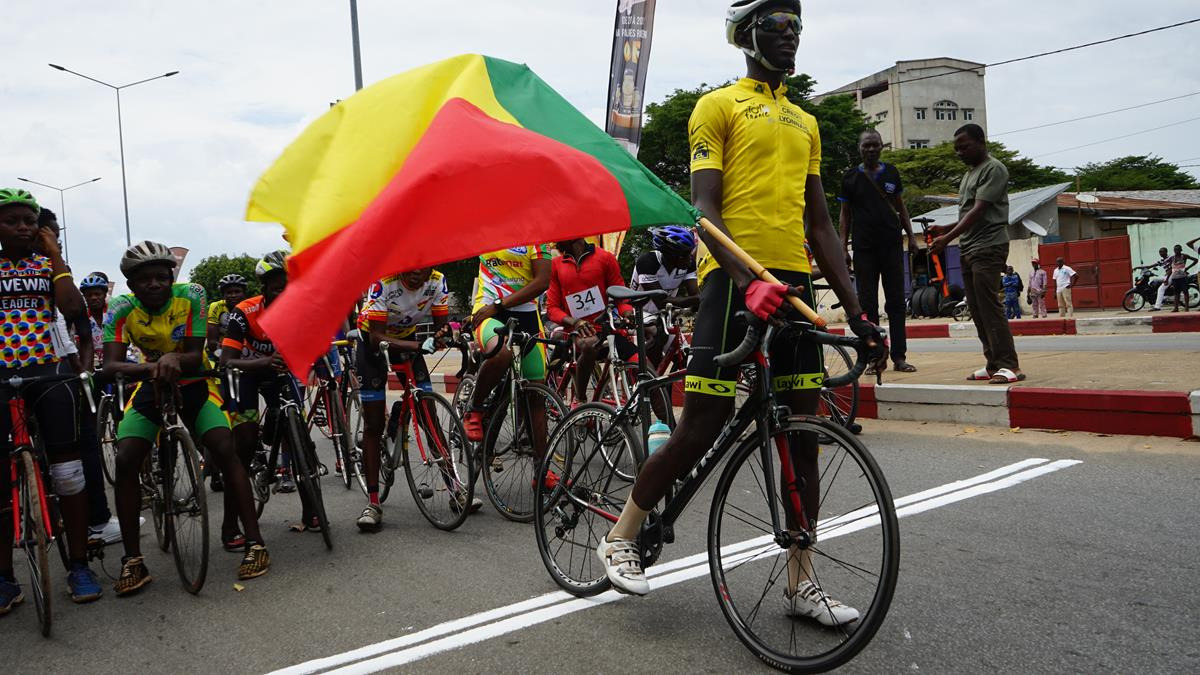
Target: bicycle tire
[(392, 449), (727, 560), (455, 484), (186, 515), (583, 479), (35, 539), (1192, 301), (512, 492), (352, 405), (149, 482), (340, 439), (106, 429), (842, 408), (307, 472), (462, 394), (1133, 301)]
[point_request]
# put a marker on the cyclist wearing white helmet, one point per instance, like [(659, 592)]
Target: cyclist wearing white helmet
[(167, 320), (755, 163), (233, 290), (670, 266)]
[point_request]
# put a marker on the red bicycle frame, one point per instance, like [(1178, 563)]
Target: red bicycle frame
[(405, 374), (21, 439)]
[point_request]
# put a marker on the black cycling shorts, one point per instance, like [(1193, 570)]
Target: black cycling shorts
[(253, 385), (795, 364), (373, 373)]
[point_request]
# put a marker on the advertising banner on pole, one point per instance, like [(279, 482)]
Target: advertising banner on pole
[(627, 72)]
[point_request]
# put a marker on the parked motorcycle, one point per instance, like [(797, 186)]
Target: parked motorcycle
[(1145, 291)]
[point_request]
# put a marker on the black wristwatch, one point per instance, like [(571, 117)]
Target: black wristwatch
[(498, 304)]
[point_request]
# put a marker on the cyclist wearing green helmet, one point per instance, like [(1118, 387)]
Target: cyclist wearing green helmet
[(36, 282)]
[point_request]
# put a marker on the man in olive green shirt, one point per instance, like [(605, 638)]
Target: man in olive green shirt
[(983, 225)]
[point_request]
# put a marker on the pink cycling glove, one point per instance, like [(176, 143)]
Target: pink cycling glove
[(764, 299)]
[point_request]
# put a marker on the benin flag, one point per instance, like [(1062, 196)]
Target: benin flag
[(455, 159)]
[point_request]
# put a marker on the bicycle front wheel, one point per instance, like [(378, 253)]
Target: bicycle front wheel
[(307, 470), (343, 442), (853, 556), (588, 451), (35, 538), (841, 404), (514, 433), (186, 514), (106, 428), (438, 463)]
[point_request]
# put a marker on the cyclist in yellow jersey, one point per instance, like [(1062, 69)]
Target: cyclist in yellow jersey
[(233, 290), (509, 284), (167, 321), (756, 160)]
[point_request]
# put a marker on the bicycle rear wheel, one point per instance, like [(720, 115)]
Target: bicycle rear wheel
[(439, 464), (149, 482), (106, 429), (343, 443), (35, 538), (589, 495), (307, 470), (186, 516), (509, 448), (841, 404), (854, 557)]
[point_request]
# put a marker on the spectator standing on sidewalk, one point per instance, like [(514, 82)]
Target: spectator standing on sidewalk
[(1163, 268), (983, 225), (1037, 289), (1012, 293), (874, 212), (1064, 280), (1180, 271)]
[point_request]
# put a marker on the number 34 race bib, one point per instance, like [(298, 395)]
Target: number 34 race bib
[(585, 303)]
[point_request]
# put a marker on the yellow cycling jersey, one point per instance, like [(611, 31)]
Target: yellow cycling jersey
[(766, 147), (503, 273)]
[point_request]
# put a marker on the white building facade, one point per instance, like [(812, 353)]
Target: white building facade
[(918, 104)]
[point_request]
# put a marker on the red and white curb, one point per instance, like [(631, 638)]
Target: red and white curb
[(1141, 413), (1134, 324)]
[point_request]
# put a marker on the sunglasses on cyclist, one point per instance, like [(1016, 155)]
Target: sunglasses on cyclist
[(779, 22)]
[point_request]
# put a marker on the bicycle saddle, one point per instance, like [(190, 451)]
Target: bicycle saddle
[(635, 297)]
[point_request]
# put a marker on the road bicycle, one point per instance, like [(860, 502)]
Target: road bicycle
[(288, 430), (335, 409), (425, 436), (37, 523), (107, 418), (172, 479), (519, 415), (762, 538)]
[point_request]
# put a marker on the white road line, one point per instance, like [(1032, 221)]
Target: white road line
[(502, 620)]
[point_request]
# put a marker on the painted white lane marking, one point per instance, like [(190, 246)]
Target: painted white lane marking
[(668, 574)]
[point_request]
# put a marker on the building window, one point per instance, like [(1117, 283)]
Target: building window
[(945, 110), (920, 112), (880, 116), (968, 114), (916, 143)]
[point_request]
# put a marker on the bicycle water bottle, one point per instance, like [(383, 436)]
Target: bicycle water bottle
[(659, 433)]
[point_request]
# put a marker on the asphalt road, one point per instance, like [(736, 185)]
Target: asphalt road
[(1161, 342), (1088, 567)]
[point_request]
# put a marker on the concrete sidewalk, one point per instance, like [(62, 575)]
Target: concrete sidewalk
[(1084, 323)]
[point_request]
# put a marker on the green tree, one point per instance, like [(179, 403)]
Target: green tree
[(1136, 172), (937, 171), (209, 271)]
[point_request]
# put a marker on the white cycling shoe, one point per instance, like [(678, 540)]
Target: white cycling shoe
[(623, 565), (809, 601)]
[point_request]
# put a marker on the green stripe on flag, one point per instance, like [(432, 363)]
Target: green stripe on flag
[(542, 110)]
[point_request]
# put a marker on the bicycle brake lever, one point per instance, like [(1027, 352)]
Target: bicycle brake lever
[(87, 390)]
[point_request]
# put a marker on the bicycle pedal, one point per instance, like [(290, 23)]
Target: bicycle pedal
[(323, 470)]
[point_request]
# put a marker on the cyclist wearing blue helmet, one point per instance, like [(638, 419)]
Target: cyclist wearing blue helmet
[(670, 266)]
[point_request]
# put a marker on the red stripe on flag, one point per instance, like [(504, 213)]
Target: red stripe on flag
[(471, 185)]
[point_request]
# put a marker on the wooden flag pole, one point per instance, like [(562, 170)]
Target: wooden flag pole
[(758, 270)]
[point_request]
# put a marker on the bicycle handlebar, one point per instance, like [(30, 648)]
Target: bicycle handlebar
[(16, 382), (758, 332)]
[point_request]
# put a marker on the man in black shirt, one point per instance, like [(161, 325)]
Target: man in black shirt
[(874, 212)]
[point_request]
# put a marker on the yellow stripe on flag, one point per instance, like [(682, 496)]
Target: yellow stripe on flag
[(305, 188)]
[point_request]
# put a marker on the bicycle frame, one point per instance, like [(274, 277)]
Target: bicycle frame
[(405, 373), (23, 442)]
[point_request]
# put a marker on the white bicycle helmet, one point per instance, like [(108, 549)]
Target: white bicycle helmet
[(741, 11), (144, 253)]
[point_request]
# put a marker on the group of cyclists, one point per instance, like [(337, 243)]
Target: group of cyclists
[(755, 164)]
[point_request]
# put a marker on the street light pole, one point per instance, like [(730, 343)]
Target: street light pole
[(120, 129), (354, 36), (62, 207)]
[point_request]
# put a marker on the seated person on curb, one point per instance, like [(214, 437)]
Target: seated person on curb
[(247, 347), (167, 321), (671, 267), (396, 304), (757, 177), (577, 300), (34, 285), (509, 284)]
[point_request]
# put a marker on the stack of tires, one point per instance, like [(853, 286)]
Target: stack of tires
[(929, 302)]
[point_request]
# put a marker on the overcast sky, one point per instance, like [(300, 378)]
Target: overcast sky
[(254, 73)]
